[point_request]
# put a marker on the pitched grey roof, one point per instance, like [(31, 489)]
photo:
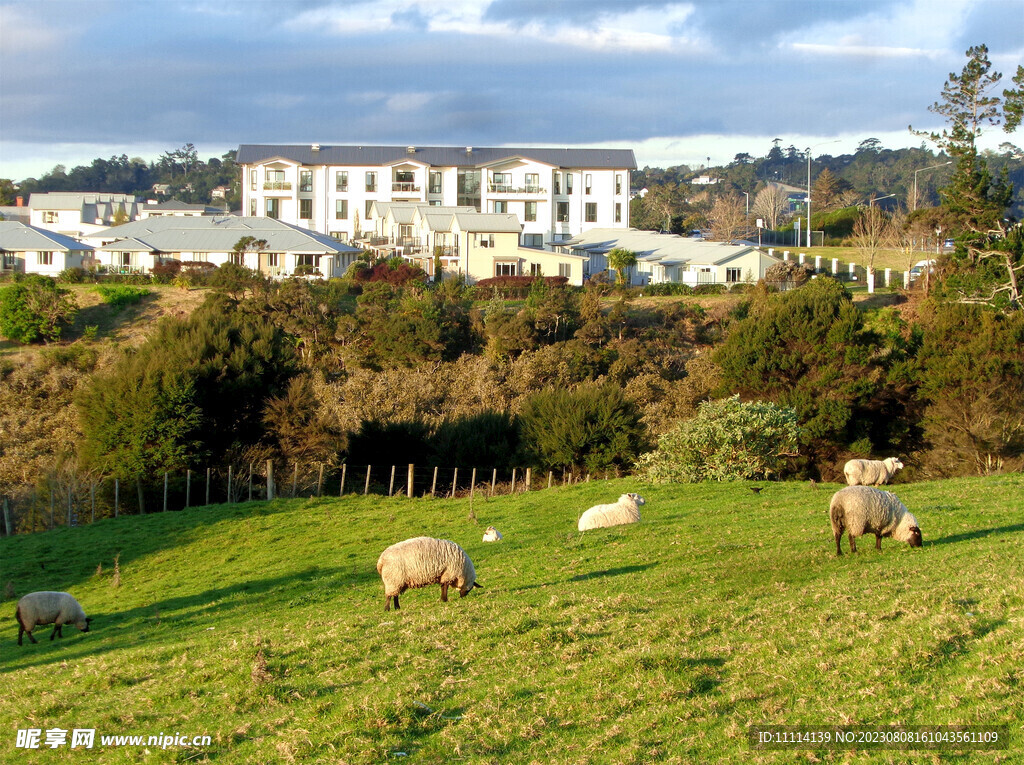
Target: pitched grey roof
[(490, 223), (75, 200), (669, 249), (20, 237), (218, 234), (435, 156)]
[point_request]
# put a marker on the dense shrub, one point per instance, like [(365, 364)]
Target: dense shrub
[(727, 440), (120, 296), (668, 288), (710, 289), (395, 271), (166, 271), (514, 286), (72, 275), (35, 309)]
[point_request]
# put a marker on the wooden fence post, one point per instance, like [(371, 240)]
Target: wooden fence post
[(188, 488), (270, 479), (529, 478), (550, 475), (207, 486), (433, 485), (165, 491), (230, 498), (513, 489), (455, 480), (7, 516), (366, 488), (391, 486), (295, 479), (117, 497), (341, 489), (408, 491), (494, 480), (472, 486), (250, 482), (320, 481)]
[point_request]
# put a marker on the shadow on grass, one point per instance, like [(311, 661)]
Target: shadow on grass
[(612, 572), (978, 534)]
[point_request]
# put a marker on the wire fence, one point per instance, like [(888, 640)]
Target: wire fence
[(76, 501)]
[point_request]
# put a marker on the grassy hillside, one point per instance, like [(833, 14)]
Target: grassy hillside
[(263, 627)]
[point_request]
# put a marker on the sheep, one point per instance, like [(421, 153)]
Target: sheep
[(56, 608), (626, 510), (862, 510), (423, 561), (871, 472), (492, 534)]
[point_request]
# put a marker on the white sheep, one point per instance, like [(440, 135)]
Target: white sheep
[(423, 561), (626, 510), (863, 510), (871, 472), (56, 608), (492, 534)]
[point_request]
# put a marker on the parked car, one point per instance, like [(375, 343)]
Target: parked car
[(919, 268), (948, 245)]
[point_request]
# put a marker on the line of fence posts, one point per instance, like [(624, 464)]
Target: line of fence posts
[(518, 482)]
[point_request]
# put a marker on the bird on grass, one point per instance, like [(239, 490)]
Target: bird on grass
[(756, 489)]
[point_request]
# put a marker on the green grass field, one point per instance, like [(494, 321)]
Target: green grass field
[(262, 626)]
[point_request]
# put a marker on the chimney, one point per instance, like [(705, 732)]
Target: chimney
[(469, 150), (410, 149), (20, 201), (315, 147)]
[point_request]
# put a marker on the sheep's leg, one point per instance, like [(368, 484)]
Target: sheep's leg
[(853, 544), (839, 546), (878, 542), (444, 593), (396, 602)]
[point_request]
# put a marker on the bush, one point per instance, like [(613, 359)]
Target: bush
[(727, 440), (514, 287), (120, 296), (668, 288), (395, 271), (72, 276), (35, 308), (710, 289), (166, 271)]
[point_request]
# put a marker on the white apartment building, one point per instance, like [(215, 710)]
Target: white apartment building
[(78, 214), (554, 193)]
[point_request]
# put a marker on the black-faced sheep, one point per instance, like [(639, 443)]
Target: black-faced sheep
[(626, 510), (423, 561), (871, 472), (56, 608), (861, 510)]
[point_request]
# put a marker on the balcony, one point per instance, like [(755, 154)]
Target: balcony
[(405, 188), (499, 188), (277, 186)]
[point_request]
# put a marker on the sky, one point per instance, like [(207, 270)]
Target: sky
[(690, 83)]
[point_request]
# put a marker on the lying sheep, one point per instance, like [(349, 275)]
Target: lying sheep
[(626, 510), (492, 534), (863, 510), (56, 608), (423, 561), (871, 472)]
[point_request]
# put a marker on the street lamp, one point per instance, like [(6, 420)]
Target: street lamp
[(748, 202), (809, 187), (871, 202), (931, 167)]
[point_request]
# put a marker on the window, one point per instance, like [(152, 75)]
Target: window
[(306, 209), (46, 258), (366, 214), (618, 183), (49, 216), (591, 212), (252, 208), (565, 269), (618, 212), (341, 180), (126, 258), (273, 208), (341, 209), (485, 240), (588, 183), (536, 270), (558, 183), (252, 180), (371, 181), (501, 207), (404, 180), (561, 212), (568, 183), (531, 211), (434, 203), (504, 269), (305, 180), (533, 240), (307, 260), (467, 189), (238, 258), (501, 181), (733, 274), (275, 179), (532, 183), (435, 181), (273, 259)]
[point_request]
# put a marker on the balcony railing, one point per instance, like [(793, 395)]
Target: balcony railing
[(405, 188), (500, 188), (277, 186)]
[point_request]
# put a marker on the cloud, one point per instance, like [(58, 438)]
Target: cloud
[(23, 31)]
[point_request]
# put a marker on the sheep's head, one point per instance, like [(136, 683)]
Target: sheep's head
[(84, 625), (894, 464), (915, 539), (468, 588), (636, 498)]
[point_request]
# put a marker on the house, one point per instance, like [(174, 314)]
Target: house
[(554, 193), (288, 250), (31, 250), (174, 207), (465, 242), (78, 214), (671, 258)]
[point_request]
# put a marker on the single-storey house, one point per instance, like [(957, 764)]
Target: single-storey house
[(31, 250)]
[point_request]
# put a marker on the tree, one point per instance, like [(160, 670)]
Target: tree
[(826, 191), (727, 440), (35, 309), (728, 219), (770, 204), (986, 266), (622, 260), (871, 233)]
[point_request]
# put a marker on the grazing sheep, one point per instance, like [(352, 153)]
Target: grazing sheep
[(423, 561), (626, 510), (56, 608), (871, 472), (863, 510), (492, 534)]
